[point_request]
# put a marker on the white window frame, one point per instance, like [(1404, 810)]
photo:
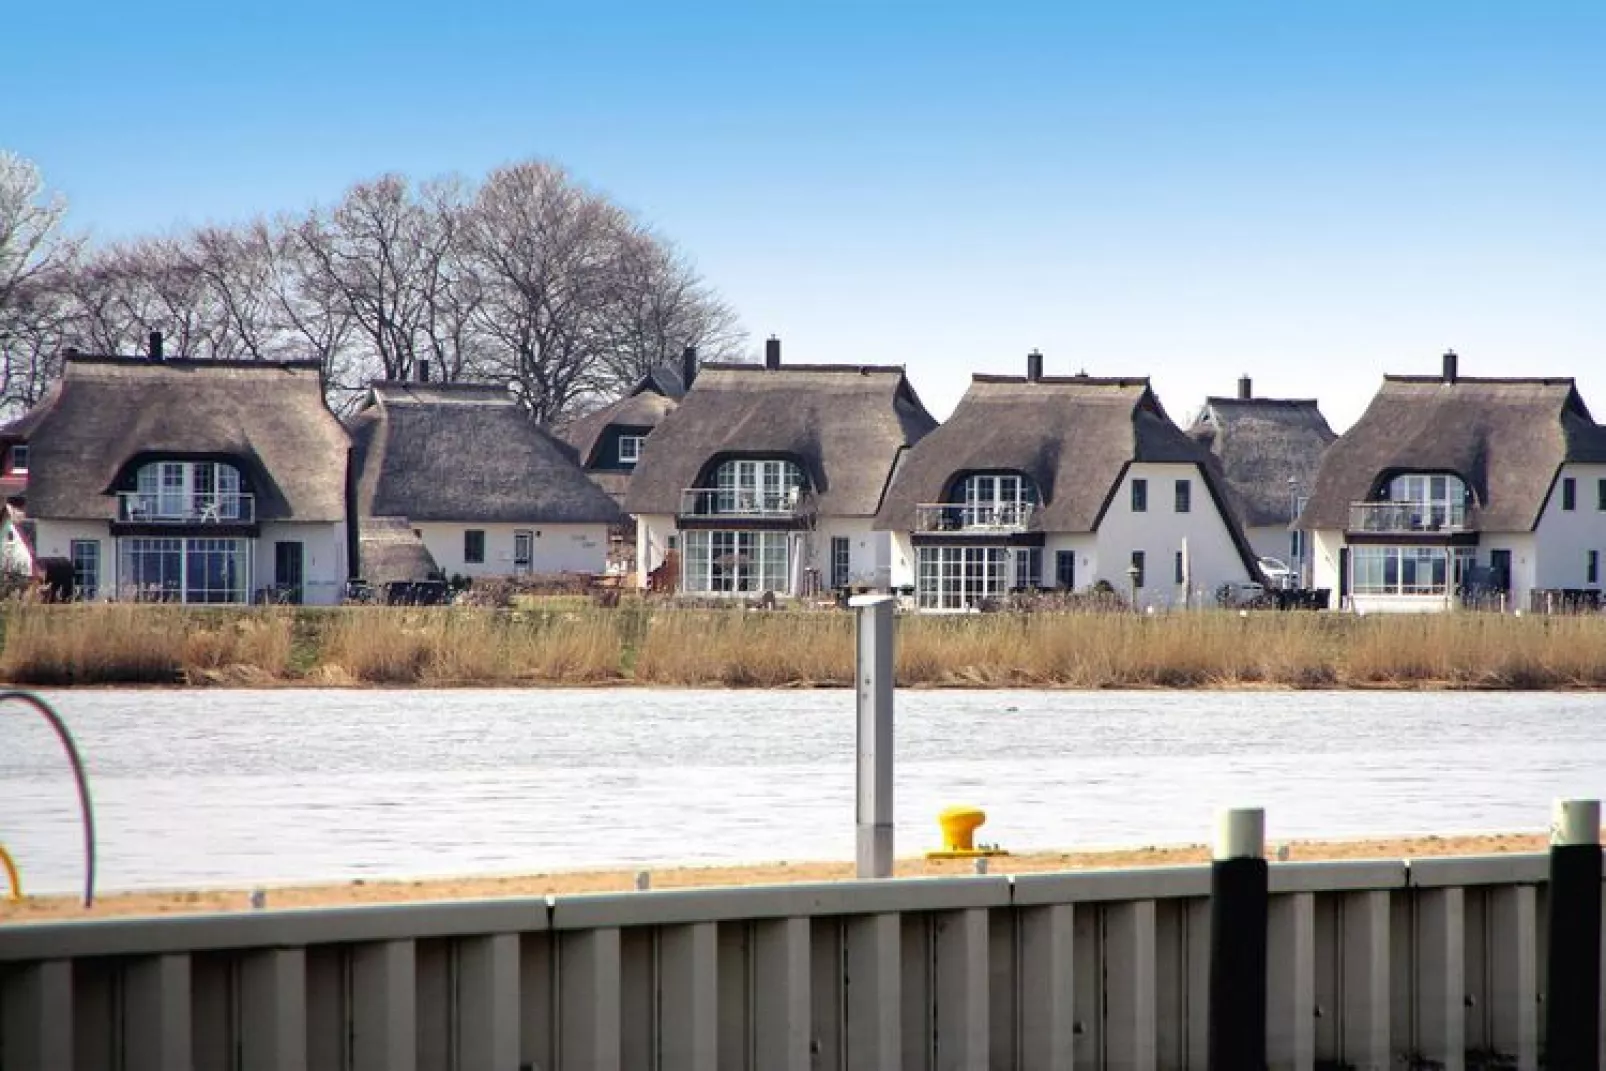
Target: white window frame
[(997, 499), (176, 561), (85, 557), (630, 448), (960, 577), (19, 458), (723, 561), (751, 486), (1371, 567), (1437, 499)]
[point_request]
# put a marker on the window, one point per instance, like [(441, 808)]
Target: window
[(736, 562), (1184, 496), (630, 448), (193, 491), (1003, 500), (1600, 494), (85, 569), (1181, 575), (186, 570), (19, 458), (1028, 567), (757, 487), (1569, 493), (1407, 570), (474, 546), (1065, 569), (1140, 496), (1135, 574), (1592, 568), (1429, 503), (841, 560), (289, 570), (960, 578)]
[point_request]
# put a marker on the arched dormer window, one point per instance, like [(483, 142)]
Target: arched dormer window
[(758, 486), (996, 499), (188, 491), (1435, 500)]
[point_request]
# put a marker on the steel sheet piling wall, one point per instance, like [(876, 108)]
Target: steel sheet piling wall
[(1370, 965), (1573, 981)]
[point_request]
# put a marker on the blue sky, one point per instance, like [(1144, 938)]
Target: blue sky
[(1312, 194)]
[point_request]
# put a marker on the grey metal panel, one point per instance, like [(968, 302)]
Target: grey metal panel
[(1129, 969), (1364, 1004), (688, 995), (1089, 886), (36, 1016), (1440, 977), (1291, 983), (1047, 988), (782, 1005), (273, 1010), (486, 1023), (433, 1011), (214, 993), (331, 985), (917, 991), (739, 992), (671, 907), (268, 929), (828, 991), (640, 1008), (384, 994), (1479, 870), (1329, 876), (961, 982), (1511, 976), (1003, 987), (538, 1046), (588, 1001), (157, 1023), (872, 1025)]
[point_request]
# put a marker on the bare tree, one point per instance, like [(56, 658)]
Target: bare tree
[(33, 252)]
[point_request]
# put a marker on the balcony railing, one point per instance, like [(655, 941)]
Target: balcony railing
[(218, 507), (973, 517), (735, 502), (1406, 517)]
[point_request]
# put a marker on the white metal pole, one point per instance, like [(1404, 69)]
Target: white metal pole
[(873, 681)]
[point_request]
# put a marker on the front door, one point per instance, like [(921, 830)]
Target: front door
[(1343, 576), (523, 550), (1500, 570), (289, 570)]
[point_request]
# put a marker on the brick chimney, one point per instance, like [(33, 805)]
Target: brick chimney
[(1034, 366), (1246, 389), (772, 353), (1451, 363), (688, 366), (155, 350)]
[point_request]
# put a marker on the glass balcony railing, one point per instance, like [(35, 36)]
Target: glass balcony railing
[(1404, 517), (739, 502), (217, 507), (973, 516)]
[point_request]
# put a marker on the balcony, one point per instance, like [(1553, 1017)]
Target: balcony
[(740, 503), (1406, 517), (984, 518), (218, 507)]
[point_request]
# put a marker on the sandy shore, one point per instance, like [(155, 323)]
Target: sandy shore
[(593, 881)]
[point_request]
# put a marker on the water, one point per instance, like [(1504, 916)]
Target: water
[(240, 788)]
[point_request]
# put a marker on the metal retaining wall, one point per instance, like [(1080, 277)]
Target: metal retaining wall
[(1385, 965)]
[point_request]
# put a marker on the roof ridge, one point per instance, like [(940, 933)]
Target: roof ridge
[(117, 361)]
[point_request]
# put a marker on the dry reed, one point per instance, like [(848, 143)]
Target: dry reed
[(130, 644), (439, 646)]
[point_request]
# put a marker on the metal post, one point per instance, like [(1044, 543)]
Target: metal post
[(1572, 983), (1238, 920), (873, 679)]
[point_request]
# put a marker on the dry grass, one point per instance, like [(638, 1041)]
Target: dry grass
[(766, 649)]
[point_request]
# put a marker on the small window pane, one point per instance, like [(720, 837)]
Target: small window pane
[(474, 546)]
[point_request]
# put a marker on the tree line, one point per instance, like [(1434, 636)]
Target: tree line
[(528, 278)]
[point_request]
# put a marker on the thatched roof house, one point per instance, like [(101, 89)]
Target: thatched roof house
[(1506, 438), (1074, 436), (844, 425), (107, 415), (596, 436), (1265, 447), (465, 453)]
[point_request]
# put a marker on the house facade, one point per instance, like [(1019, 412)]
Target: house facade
[(767, 478), (172, 480), (1060, 482), (1269, 450), (1450, 490), (482, 488)]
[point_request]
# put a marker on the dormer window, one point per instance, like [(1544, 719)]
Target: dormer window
[(1435, 501), (997, 500), (769, 486), (630, 448), (188, 492), (19, 458)]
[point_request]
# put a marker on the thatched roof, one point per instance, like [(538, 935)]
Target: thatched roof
[(1073, 435), (390, 552), (643, 409), (1262, 443), (465, 452), (1506, 438), (109, 411), (844, 424)]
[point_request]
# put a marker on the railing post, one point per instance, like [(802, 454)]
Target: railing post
[(1572, 983), (1238, 920), (873, 681)]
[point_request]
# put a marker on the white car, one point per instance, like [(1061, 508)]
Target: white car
[(1277, 573)]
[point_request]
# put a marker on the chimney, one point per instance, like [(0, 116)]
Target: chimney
[(688, 366), (156, 346), (1450, 369), (1246, 389), (772, 353), (1034, 366), (423, 371)]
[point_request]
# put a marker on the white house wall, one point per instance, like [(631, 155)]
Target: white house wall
[(1564, 538), (557, 548), (869, 551), (1159, 532), (54, 539), (323, 558)]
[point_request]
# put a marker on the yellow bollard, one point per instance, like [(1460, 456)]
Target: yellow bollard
[(959, 825), (10, 867)]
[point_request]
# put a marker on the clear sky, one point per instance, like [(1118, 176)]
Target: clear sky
[(1310, 193)]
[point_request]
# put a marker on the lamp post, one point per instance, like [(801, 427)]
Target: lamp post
[(1132, 584)]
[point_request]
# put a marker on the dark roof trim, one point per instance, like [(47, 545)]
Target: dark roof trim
[(1086, 381), (111, 361)]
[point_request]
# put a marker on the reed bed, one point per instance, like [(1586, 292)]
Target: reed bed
[(644, 644)]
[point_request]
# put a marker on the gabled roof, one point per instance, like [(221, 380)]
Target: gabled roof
[(845, 424), (107, 411), (1507, 438), (1262, 443), (465, 452), (1073, 435), (639, 409), (390, 552)]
